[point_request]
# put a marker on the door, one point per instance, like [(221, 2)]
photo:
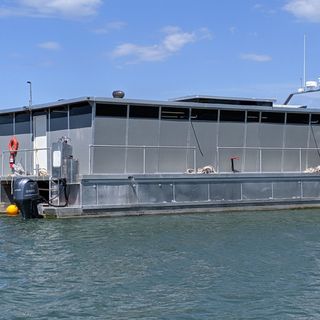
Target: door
[(40, 157)]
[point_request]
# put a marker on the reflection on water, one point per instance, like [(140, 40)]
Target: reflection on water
[(258, 265)]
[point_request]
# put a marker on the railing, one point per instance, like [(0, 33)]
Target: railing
[(141, 159), (27, 158), (284, 159)]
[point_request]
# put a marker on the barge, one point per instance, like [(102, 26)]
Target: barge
[(95, 156)]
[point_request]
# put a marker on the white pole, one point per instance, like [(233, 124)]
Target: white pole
[(304, 61), (30, 93)]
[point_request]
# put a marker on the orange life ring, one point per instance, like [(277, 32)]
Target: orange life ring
[(13, 146)]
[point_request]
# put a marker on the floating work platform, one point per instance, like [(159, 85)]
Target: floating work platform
[(115, 156)]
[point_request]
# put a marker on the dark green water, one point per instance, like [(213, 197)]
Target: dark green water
[(212, 266)]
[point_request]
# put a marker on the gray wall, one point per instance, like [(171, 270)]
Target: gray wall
[(115, 126), (109, 131), (76, 126), (143, 132), (174, 133), (75, 122), (264, 143), (122, 142), (206, 133), (231, 134)]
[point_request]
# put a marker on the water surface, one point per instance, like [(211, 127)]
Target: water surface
[(257, 265)]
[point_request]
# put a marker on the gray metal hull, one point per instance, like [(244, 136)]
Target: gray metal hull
[(181, 193)]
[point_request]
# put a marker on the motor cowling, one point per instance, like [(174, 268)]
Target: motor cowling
[(26, 197)]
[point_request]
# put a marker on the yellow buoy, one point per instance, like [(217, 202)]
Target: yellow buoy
[(12, 210)]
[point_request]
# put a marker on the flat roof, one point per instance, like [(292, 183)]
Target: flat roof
[(212, 102)]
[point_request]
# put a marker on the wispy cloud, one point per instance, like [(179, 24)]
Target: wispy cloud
[(50, 8), (256, 57), (304, 9), (174, 40), (233, 30), (264, 9), (50, 45), (110, 27)]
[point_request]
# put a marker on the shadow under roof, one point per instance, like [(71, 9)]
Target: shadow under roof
[(227, 100)]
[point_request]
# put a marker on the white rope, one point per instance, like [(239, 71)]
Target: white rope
[(204, 170)]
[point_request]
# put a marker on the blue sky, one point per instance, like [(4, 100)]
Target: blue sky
[(157, 49)]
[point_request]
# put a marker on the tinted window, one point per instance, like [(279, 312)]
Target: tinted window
[(6, 125), (232, 116), (80, 115), (272, 117), (315, 119), (59, 119), (253, 116), (174, 113), (204, 115), (297, 118), (22, 123), (144, 112), (110, 110), (40, 112)]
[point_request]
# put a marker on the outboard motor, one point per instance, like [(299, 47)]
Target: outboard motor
[(26, 196)]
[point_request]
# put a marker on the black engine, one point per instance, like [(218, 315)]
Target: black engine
[(26, 197)]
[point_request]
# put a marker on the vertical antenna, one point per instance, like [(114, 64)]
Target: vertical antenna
[(304, 61), (30, 93)]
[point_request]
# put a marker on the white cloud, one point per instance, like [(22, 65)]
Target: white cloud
[(141, 53), (111, 26), (49, 8), (50, 45), (304, 9), (174, 40), (256, 57)]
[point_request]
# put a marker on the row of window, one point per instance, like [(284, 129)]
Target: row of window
[(168, 113), (80, 115)]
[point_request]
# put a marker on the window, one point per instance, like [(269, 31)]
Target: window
[(22, 123), (80, 115), (174, 113), (40, 112), (315, 119), (297, 118), (111, 110), (59, 119), (232, 116), (253, 116), (144, 112), (6, 125), (272, 117), (204, 115)]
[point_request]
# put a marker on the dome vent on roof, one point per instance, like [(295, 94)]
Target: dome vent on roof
[(118, 94)]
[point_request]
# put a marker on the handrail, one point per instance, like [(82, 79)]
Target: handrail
[(136, 146), (260, 149), (268, 148), (24, 151), (143, 147)]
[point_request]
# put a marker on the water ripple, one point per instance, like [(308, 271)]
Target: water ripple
[(262, 265)]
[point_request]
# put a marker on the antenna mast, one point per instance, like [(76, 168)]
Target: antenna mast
[(304, 61)]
